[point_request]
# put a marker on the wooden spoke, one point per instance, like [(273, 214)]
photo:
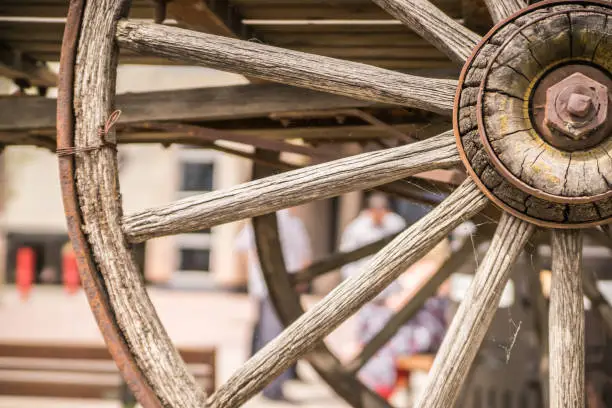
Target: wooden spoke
[(475, 314), (431, 23), (411, 188), (304, 70), (406, 313), (292, 188), (202, 134), (599, 303), (566, 322), (338, 260), (502, 9), (288, 307), (307, 331)]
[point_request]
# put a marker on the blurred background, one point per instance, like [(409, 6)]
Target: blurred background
[(51, 350)]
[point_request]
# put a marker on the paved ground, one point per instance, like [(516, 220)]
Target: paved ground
[(191, 318)]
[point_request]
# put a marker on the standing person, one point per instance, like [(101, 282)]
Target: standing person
[(424, 331), (374, 223), (297, 254)]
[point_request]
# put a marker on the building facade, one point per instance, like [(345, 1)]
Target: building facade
[(150, 175)]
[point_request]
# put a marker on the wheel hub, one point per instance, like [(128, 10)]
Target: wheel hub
[(570, 108), (532, 114)]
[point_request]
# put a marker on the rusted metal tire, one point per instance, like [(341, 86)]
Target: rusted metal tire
[(91, 280)]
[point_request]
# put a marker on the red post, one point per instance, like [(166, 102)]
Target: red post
[(70, 272), (24, 271)]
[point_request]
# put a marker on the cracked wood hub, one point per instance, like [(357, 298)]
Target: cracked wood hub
[(532, 114)]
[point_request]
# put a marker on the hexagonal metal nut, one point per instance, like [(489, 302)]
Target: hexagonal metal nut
[(558, 117)]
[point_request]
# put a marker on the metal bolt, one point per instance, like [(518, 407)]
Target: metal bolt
[(579, 105), (576, 107)]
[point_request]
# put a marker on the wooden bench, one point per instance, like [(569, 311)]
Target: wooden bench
[(81, 371)]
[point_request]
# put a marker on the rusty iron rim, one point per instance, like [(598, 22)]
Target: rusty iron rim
[(485, 190), (91, 280), (497, 163)]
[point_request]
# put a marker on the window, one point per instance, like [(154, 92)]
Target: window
[(194, 259), (197, 176)]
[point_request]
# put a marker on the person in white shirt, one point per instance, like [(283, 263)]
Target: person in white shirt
[(297, 254), (374, 223)]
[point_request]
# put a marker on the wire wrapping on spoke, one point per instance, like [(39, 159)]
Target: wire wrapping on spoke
[(103, 132)]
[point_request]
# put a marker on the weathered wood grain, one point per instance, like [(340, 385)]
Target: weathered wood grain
[(502, 9), (566, 321), (549, 39), (286, 301), (349, 296), (215, 103), (588, 30), (601, 55), (292, 188), (446, 34), (326, 74), (100, 204), (474, 315), (415, 304)]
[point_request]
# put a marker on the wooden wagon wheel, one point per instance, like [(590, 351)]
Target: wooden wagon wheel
[(530, 126)]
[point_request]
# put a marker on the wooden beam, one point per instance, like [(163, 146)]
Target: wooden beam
[(330, 134), (219, 103), (59, 9), (313, 134), (325, 9), (15, 64), (338, 134), (216, 17)]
